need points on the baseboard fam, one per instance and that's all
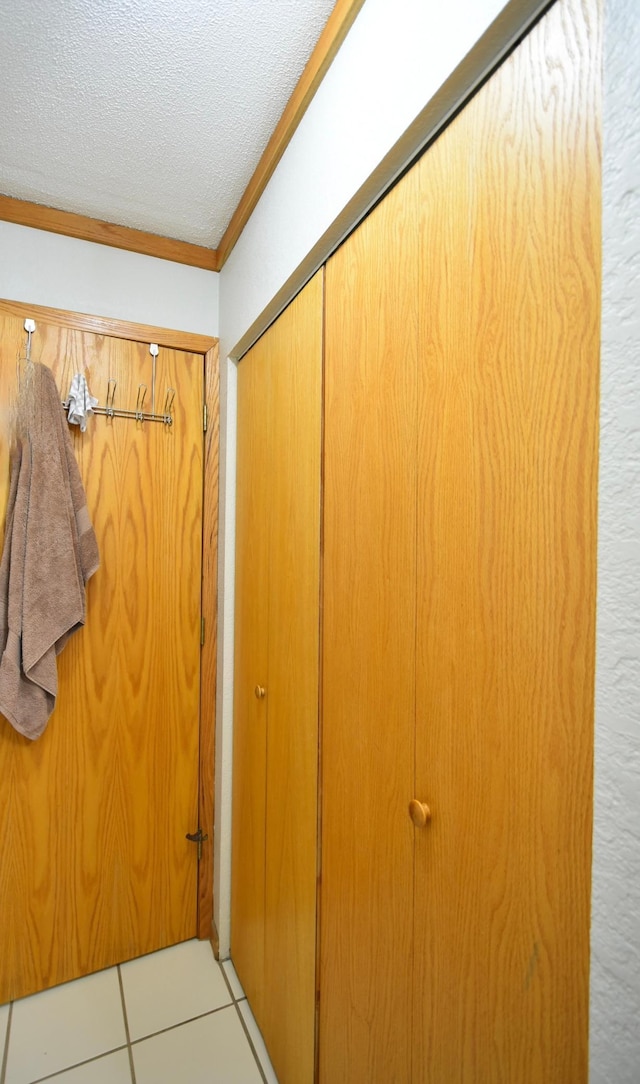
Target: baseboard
(215, 940)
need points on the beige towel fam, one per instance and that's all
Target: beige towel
(50, 551)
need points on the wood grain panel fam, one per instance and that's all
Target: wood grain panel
(117, 329)
(95, 866)
(369, 614)
(251, 670)
(209, 656)
(106, 233)
(506, 587)
(161, 672)
(295, 379)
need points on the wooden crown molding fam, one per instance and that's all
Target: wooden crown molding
(337, 27)
(39, 217)
(117, 329)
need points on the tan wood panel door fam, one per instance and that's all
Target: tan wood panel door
(369, 616)
(273, 932)
(95, 867)
(506, 569)
(292, 691)
(251, 673)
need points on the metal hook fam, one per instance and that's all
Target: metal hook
(29, 327)
(142, 391)
(111, 394)
(168, 403)
(154, 350)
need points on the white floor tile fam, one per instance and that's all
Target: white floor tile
(234, 981)
(212, 1050)
(258, 1042)
(112, 1069)
(171, 986)
(63, 1026)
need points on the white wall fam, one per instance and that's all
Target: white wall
(386, 91)
(64, 273)
(615, 944)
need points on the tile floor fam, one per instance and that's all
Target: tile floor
(174, 1017)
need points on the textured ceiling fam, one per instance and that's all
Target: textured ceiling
(147, 113)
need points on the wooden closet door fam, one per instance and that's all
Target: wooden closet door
(368, 673)
(273, 933)
(506, 568)
(253, 538)
(292, 693)
(95, 867)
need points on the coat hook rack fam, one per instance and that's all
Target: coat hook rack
(110, 410)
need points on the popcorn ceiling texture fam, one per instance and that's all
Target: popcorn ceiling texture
(150, 114)
(615, 946)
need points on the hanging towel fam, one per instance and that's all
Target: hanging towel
(50, 552)
(80, 402)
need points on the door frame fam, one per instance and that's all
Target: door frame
(207, 346)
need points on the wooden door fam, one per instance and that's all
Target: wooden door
(509, 349)
(95, 867)
(369, 618)
(460, 434)
(273, 934)
(292, 691)
(251, 673)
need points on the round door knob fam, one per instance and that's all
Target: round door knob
(260, 692)
(419, 812)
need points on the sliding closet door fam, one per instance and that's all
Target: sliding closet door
(94, 866)
(294, 634)
(506, 568)
(251, 673)
(274, 868)
(369, 615)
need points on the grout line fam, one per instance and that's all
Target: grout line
(227, 983)
(229, 986)
(181, 1023)
(237, 1001)
(5, 1056)
(78, 1064)
(126, 1028)
(250, 1040)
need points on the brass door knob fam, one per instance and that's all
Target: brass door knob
(419, 812)
(260, 692)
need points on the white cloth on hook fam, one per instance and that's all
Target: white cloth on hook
(80, 402)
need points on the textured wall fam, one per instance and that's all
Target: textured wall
(615, 964)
